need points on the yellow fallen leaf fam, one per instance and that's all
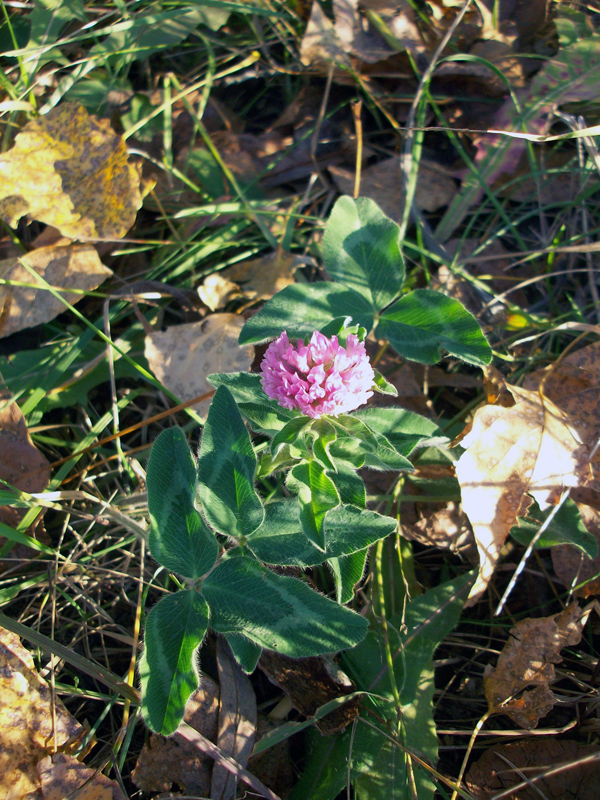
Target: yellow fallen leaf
(70, 170)
(63, 776)
(528, 659)
(27, 731)
(75, 266)
(182, 356)
(511, 454)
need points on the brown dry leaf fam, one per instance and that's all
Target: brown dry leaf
(528, 659)
(74, 266)
(446, 528)
(358, 34)
(70, 170)
(503, 766)
(529, 449)
(63, 776)
(26, 721)
(261, 278)
(164, 761)
(21, 463)
(183, 356)
(320, 45)
(237, 721)
(310, 683)
(383, 183)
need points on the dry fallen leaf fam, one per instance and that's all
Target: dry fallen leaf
(27, 731)
(513, 453)
(528, 659)
(63, 776)
(504, 765)
(164, 761)
(320, 45)
(446, 528)
(573, 384)
(70, 170)
(237, 721)
(383, 183)
(216, 291)
(184, 355)
(310, 683)
(261, 278)
(75, 266)
(21, 463)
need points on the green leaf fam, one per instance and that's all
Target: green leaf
(290, 434)
(384, 387)
(226, 467)
(412, 640)
(567, 527)
(361, 249)
(245, 652)
(179, 539)
(424, 323)
(348, 529)
(349, 485)
(316, 494)
(302, 308)
(405, 430)
(175, 627)
(347, 572)
(277, 612)
(263, 414)
(324, 434)
(387, 457)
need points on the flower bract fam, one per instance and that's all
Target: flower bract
(321, 377)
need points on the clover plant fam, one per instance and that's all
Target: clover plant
(212, 527)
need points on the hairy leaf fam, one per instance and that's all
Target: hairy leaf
(174, 629)
(424, 323)
(361, 249)
(278, 612)
(179, 539)
(226, 467)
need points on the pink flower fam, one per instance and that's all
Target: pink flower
(319, 378)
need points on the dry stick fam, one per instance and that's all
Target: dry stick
(189, 734)
(356, 111)
(406, 157)
(169, 412)
(314, 141)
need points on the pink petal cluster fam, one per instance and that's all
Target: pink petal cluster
(319, 378)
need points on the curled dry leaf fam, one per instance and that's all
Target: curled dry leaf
(165, 761)
(530, 449)
(183, 356)
(70, 170)
(528, 659)
(320, 45)
(64, 776)
(21, 463)
(446, 528)
(71, 267)
(27, 726)
(503, 766)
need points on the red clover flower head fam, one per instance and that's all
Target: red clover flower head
(321, 377)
